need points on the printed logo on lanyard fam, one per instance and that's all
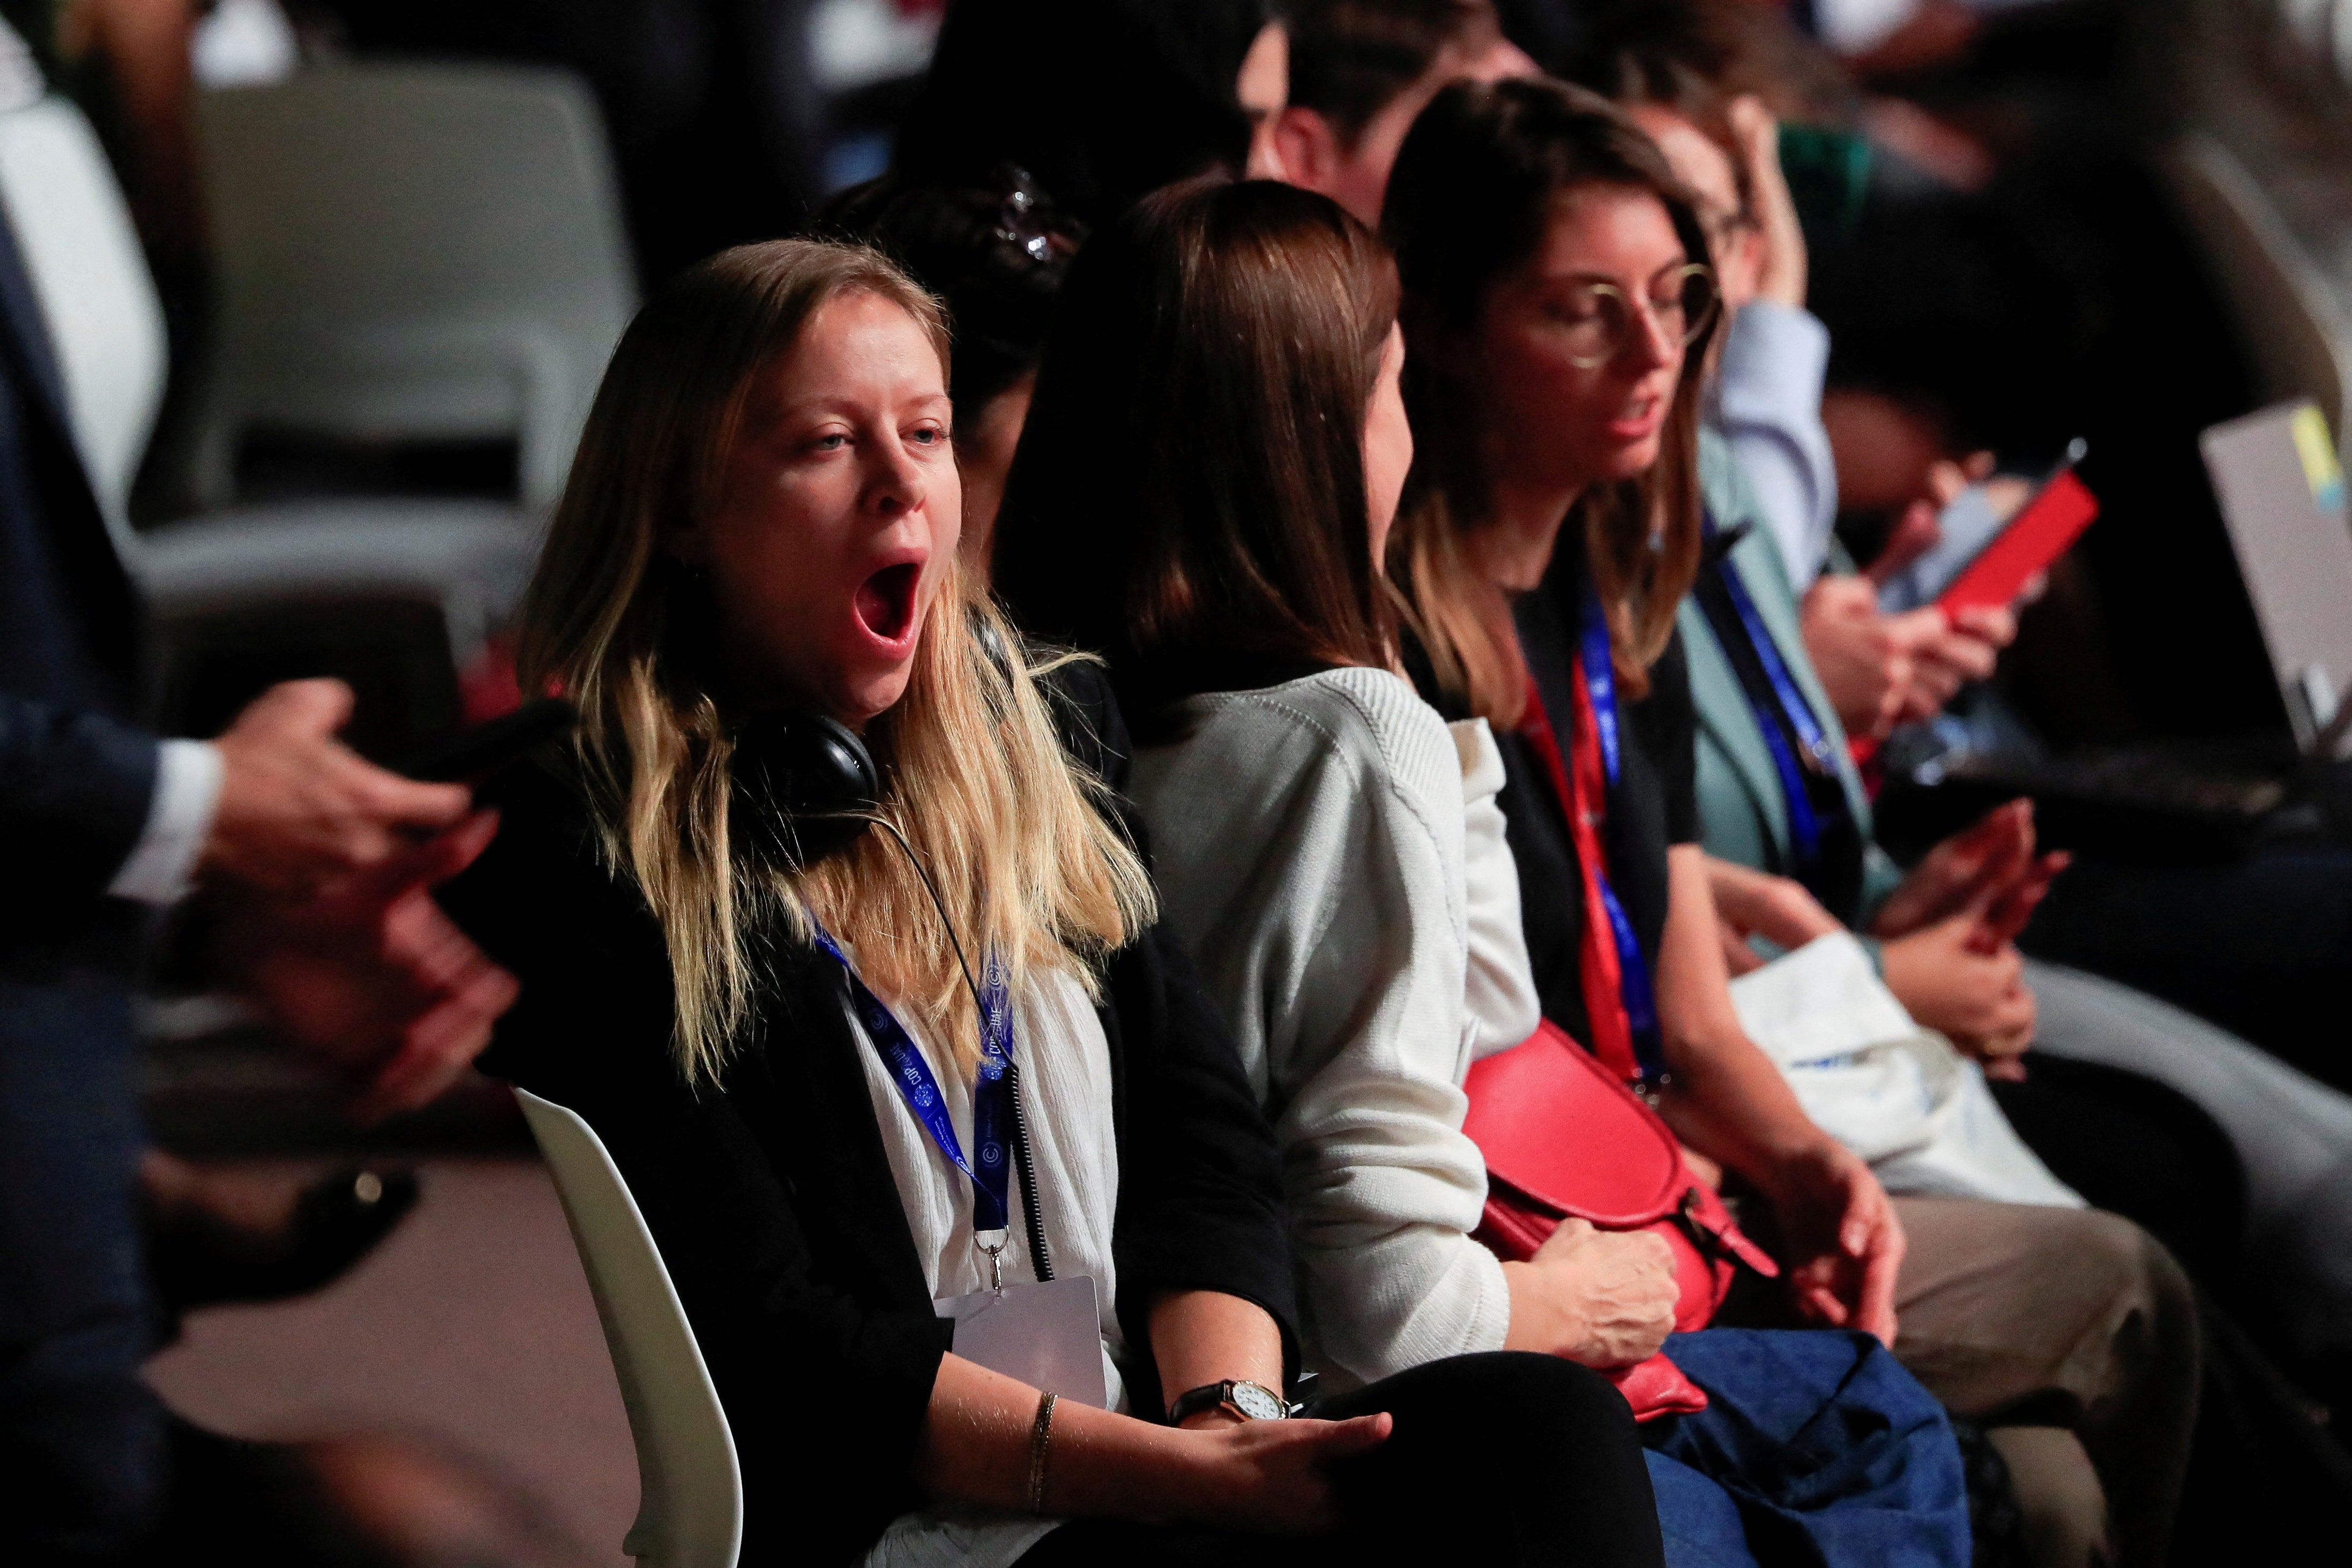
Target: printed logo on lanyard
(992, 1099)
(1597, 667)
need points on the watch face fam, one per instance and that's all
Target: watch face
(1258, 1402)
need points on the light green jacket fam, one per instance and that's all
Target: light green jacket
(1743, 816)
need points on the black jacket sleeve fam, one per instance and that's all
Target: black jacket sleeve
(798, 1279)
(1667, 723)
(74, 793)
(1199, 1205)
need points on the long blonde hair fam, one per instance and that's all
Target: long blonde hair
(1015, 837)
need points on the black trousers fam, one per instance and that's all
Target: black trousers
(1505, 1460)
(2260, 945)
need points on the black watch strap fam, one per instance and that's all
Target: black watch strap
(1191, 1402)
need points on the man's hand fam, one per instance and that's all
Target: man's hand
(300, 810)
(1844, 1244)
(370, 978)
(1863, 669)
(1781, 277)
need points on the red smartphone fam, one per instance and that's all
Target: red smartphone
(2044, 527)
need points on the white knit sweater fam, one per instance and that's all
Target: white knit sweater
(1334, 859)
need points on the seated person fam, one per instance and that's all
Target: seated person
(1555, 287)
(996, 254)
(1360, 71)
(1333, 854)
(1100, 101)
(2088, 1110)
(766, 1014)
(1684, 75)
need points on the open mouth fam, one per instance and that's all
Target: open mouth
(886, 601)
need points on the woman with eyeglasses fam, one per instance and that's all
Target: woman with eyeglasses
(1558, 316)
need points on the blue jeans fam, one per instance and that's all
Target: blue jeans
(1816, 1448)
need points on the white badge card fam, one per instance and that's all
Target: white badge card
(1049, 1336)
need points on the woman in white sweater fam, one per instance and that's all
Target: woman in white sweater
(1329, 851)
(1203, 492)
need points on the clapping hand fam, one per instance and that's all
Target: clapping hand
(299, 810)
(369, 976)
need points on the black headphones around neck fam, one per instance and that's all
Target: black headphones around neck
(806, 786)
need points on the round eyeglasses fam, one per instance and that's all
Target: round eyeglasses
(1599, 317)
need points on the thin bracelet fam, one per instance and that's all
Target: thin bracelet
(1041, 1437)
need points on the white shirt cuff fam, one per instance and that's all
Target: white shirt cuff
(179, 820)
(1775, 358)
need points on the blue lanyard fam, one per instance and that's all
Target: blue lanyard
(992, 1099)
(1641, 994)
(1804, 826)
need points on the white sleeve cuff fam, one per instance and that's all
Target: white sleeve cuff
(179, 820)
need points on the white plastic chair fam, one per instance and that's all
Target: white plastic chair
(690, 1512)
(105, 323)
(410, 252)
(467, 559)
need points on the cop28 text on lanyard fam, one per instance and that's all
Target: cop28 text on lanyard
(1597, 673)
(996, 1120)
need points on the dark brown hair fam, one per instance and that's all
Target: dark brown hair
(995, 250)
(1476, 185)
(1656, 77)
(1188, 497)
(1351, 59)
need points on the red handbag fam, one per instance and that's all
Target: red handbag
(1564, 1140)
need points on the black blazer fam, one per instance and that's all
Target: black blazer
(76, 772)
(771, 1197)
(76, 775)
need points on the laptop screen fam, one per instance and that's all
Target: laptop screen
(2282, 495)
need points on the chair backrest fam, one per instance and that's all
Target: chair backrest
(2286, 306)
(410, 252)
(691, 1511)
(105, 323)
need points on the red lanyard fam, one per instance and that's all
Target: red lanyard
(1585, 797)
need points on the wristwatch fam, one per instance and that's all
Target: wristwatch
(1250, 1400)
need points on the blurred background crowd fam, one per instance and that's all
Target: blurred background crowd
(330, 282)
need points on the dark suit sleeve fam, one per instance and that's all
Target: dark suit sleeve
(74, 792)
(825, 1390)
(1200, 1184)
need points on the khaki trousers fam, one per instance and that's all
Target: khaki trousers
(2038, 1322)
(2070, 1335)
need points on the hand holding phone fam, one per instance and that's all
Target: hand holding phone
(2043, 529)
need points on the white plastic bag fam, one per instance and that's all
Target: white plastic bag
(1898, 1095)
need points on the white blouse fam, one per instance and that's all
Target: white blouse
(1065, 1062)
